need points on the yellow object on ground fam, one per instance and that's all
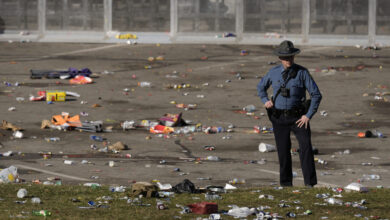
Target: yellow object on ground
(126, 36)
(55, 96)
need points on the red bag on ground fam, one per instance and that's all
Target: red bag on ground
(204, 208)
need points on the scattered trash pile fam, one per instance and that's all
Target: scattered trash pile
(67, 122)
(76, 76)
(173, 124)
(212, 194)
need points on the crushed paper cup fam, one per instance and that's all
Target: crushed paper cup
(263, 147)
(18, 134)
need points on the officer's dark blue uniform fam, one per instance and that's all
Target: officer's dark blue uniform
(288, 110)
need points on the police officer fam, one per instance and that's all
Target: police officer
(289, 111)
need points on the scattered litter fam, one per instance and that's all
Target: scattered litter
(41, 213)
(324, 113)
(203, 208)
(111, 163)
(21, 193)
(241, 212)
(36, 200)
(229, 187)
(81, 80)
(166, 186)
(9, 175)
(185, 186)
(272, 35)
(18, 134)
(334, 201)
(69, 162)
(144, 84)
(19, 99)
(126, 36)
(117, 189)
(263, 147)
(118, 146)
(249, 108)
(9, 126)
(356, 187)
(127, 125)
(92, 184)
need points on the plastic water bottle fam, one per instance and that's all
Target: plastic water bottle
(52, 139)
(215, 216)
(41, 213)
(249, 108)
(117, 189)
(320, 161)
(378, 134)
(212, 158)
(371, 177)
(96, 138)
(212, 196)
(144, 84)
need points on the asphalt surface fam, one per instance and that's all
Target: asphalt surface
(349, 88)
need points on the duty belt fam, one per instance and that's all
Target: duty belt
(288, 112)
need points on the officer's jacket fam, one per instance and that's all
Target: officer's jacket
(297, 85)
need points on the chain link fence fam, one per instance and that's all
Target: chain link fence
(198, 21)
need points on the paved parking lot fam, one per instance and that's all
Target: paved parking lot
(354, 83)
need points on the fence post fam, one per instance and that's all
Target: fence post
(174, 19)
(305, 20)
(239, 20)
(41, 18)
(107, 16)
(371, 22)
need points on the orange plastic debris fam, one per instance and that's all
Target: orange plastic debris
(80, 80)
(361, 134)
(61, 120)
(161, 129)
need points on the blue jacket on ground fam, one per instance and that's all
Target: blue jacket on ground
(297, 85)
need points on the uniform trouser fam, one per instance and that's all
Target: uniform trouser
(282, 127)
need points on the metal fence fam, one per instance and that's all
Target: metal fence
(316, 22)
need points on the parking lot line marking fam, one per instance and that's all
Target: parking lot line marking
(300, 178)
(51, 173)
(85, 50)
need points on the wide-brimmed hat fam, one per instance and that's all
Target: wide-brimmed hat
(286, 49)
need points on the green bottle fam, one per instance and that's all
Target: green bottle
(42, 213)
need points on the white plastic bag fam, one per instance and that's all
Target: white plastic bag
(241, 212)
(356, 187)
(9, 175)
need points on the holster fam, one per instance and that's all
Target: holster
(306, 106)
(272, 112)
